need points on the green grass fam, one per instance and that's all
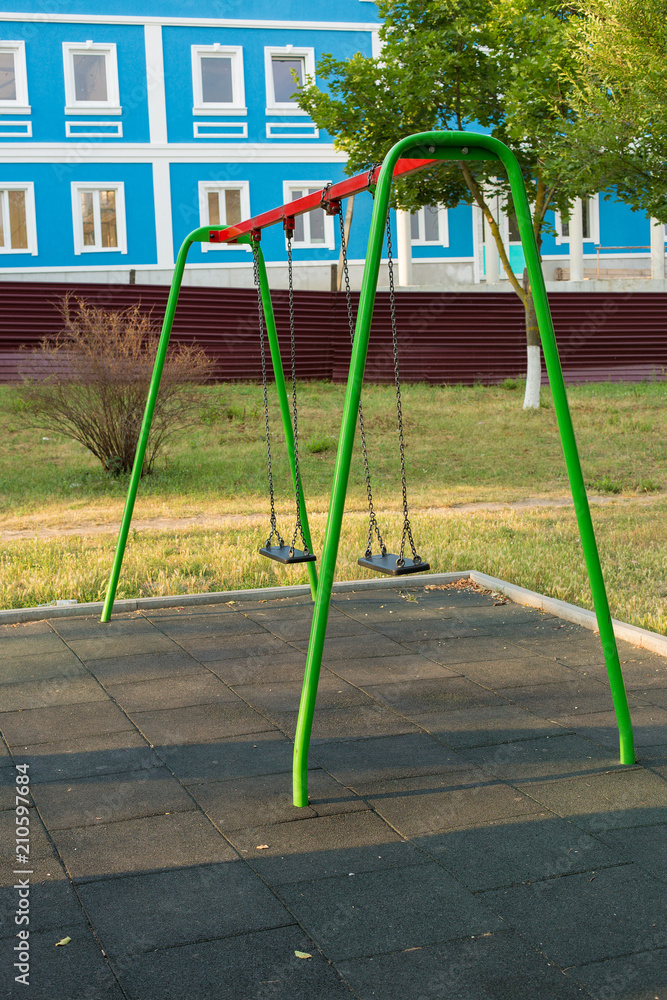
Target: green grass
(538, 549)
(463, 443)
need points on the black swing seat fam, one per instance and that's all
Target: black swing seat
(286, 554)
(388, 563)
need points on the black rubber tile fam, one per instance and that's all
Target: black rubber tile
(332, 692)
(190, 610)
(53, 903)
(197, 723)
(107, 799)
(642, 672)
(38, 845)
(38, 666)
(347, 723)
(408, 613)
(651, 696)
(131, 846)
(77, 971)
(429, 695)
(234, 757)
(579, 696)
(299, 631)
(198, 687)
(279, 664)
(387, 669)
(108, 647)
(360, 763)
(187, 631)
(455, 651)
(20, 630)
(260, 800)
(517, 849)
(486, 725)
(261, 965)
(435, 802)
(645, 845)
(25, 644)
(544, 758)
(641, 976)
(586, 917)
(47, 725)
(569, 651)
(496, 966)
(499, 614)
(424, 631)
(89, 756)
(248, 650)
(321, 848)
(90, 627)
(383, 911)
(141, 913)
(143, 667)
(350, 646)
(7, 783)
(503, 673)
(649, 725)
(620, 798)
(54, 691)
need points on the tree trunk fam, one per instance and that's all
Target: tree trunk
(531, 399)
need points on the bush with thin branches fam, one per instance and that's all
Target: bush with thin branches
(90, 381)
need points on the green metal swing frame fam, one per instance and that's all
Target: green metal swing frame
(421, 149)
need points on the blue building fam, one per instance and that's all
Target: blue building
(120, 132)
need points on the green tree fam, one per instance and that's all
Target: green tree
(620, 95)
(503, 66)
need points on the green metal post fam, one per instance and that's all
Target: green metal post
(142, 443)
(283, 401)
(458, 146)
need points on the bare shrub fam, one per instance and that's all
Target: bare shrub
(90, 381)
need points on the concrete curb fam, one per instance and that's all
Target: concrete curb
(640, 637)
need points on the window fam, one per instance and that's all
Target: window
(18, 232)
(286, 70)
(590, 222)
(223, 205)
(313, 229)
(91, 79)
(99, 218)
(217, 79)
(429, 226)
(13, 78)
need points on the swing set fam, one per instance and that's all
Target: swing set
(413, 153)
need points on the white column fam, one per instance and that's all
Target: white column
(492, 258)
(657, 249)
(157, 123)
(404, 247)
(576, 241)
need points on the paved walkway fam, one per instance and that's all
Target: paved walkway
(470, 834)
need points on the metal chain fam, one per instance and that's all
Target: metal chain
(298, 527)
(407, 530)
(274, 527)
(373, 527)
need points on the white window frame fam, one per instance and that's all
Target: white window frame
(594, 219)
(20, 104)
(274, 107)
(237, 105)
(329, 238)
(30, 218)
(77, 218)
(443, 229)
(112, 104)
(204, 188)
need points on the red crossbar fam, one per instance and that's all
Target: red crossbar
(344, 189)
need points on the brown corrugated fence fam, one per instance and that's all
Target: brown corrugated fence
(445, 337)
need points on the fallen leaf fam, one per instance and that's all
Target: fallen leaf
(302, 954)
(262, 847)
(65, 940)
